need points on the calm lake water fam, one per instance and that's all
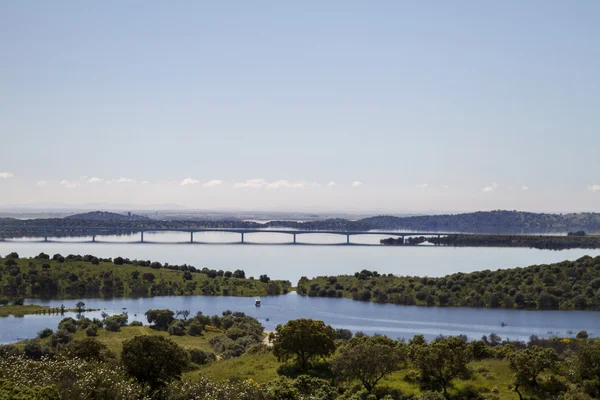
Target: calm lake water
(391, 320)
(291, 262)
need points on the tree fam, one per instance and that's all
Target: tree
(87, 349)
(582, 335)
(305, 339)
(442, 361)
(153, 360)
(80, 306)
(183, 313)
(238, 273)
(160, 318)
(369, 359)
(588, 361)
(527, 364)
(118, 261)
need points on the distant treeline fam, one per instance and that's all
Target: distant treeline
(499, 222)
(89, 276)
(536, 242)
(567, 285)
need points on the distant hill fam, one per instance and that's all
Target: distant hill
(500, 221)
(106, 216)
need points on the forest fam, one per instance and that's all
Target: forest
(545, 242)
(568, 285)
(75, 276)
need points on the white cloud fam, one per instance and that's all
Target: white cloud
(594, 188)
(41, 183)
(356, 184)
(6, 175)
(94, 180)
(251, 183)
(213, 183)
(332, 184)
(69, 184)
(286, 184)
(280, 184)
(189, 181)
(524, 188)
(124, 180)
(422, 186)
(491, 188)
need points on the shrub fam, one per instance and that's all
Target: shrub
(195, 328)
(177, 328)
(60, 337)
(91, 331)
(582, 335)
(201, 357)
(44, 333)
(136, 323)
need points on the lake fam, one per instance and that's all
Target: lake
(391, 320)
(291, 262)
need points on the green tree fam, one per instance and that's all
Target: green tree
(305, 339)
(369, 359)
(160, 318)
(588, 361)
(527, 364)
(442, 361)
(80, 306)
(87, 349)
(153, 360)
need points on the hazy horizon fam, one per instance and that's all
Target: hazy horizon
(343, 106)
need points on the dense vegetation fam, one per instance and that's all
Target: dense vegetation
(567, 285)
(88, 276)
(536, 242)
(83, 359)
(500, 221)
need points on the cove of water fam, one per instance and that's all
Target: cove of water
(388, 319)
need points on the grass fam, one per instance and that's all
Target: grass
(114, 340)
(260, 367)
(5, 311)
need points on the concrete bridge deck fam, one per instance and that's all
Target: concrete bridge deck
(44, 231)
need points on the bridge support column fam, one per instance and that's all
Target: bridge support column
(142, 237)
(294, 238)
(403, 239)
(347, 239)
(93, 238)
(191, 237)
(242, 237)
(439, 243)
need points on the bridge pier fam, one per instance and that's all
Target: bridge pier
(403, 242)
(242, 236)
(347, 239)
(191, 237)
(93, 238)
(439, 243)
(142, 237)
(294, 238)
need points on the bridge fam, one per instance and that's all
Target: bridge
(44, 231)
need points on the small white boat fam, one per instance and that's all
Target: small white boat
(257, 302)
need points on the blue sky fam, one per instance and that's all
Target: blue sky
(339, 105)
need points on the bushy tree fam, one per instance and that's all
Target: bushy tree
(442, 361)
(527, 364)
(305, 339)
(87, 349)
(161, 319)
(153, 360)
(369, 359)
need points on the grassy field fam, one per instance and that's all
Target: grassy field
(114, 340)
(5, 311)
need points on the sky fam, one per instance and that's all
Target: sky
(343, 105)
